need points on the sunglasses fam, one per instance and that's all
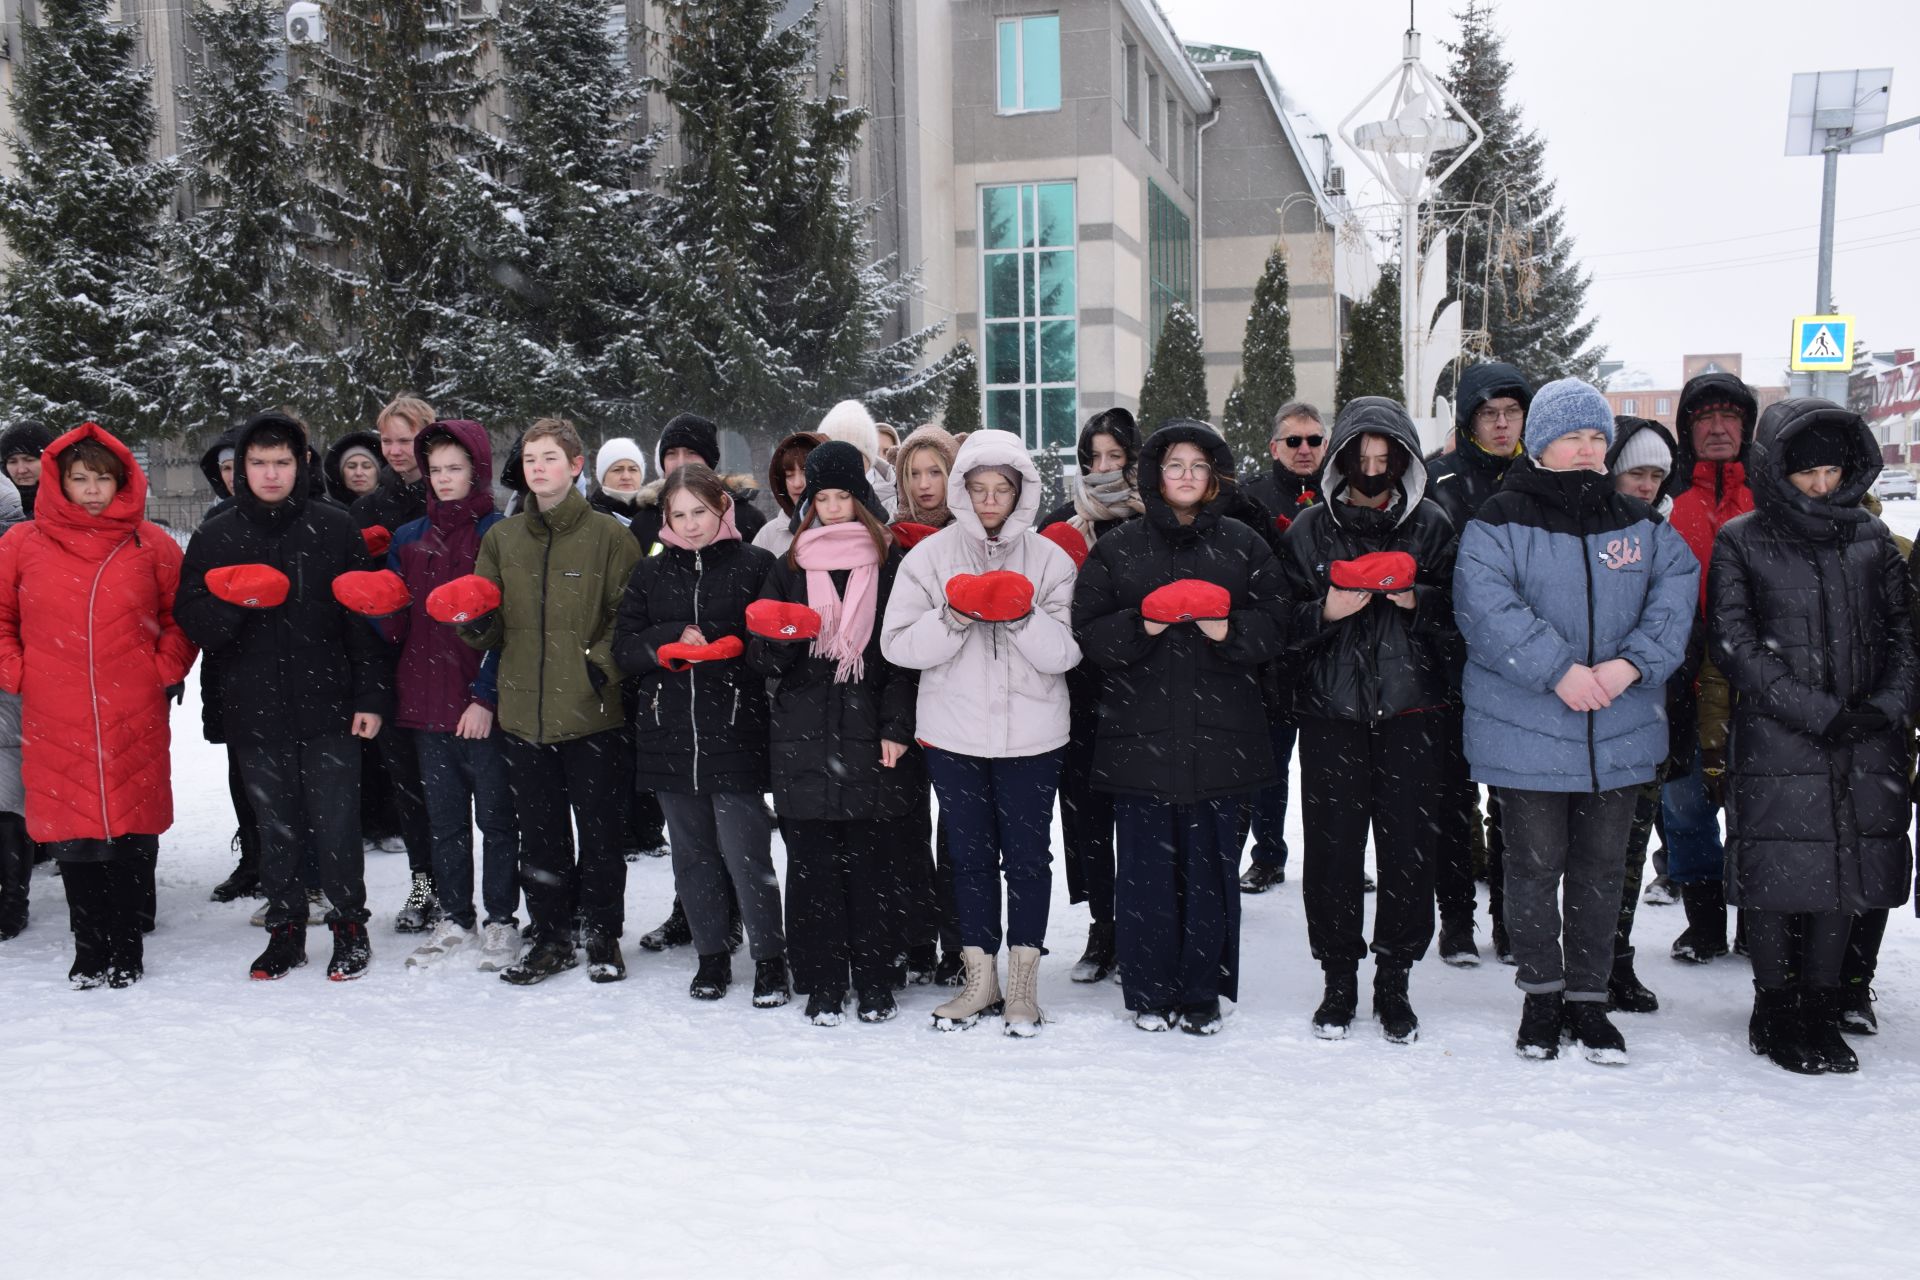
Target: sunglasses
(1294, 442)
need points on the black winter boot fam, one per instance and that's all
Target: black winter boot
(1625, 992)
(421, 911)
(877, 1006)
(1391, 1008)
(737, 929)
(669, 933)
(1502, 946)
(1456, 942)
(1540, 1023)
(352, 951)
(771, 987)
(1586, 1024)
(1260, 877)
(713, 978)
(1096, 962)
(1820, 1014)
(244, 882)
(604, 961)
(922, 961)
(951, 971)
(1774, 1031)
(1335, 1014)
(286, 951)
(1705, 937)
(548, 957)
(1856, 1010)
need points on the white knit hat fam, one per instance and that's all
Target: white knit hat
(850, 421)
(1644, 448)
(618, 449)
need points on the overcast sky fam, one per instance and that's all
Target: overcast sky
(1665, 123)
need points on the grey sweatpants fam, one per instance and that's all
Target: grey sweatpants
(714, 837)
(1579, 838)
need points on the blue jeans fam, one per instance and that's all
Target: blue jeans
(1270, 803)
(1694, 854)
(465, 779)
(997, 814)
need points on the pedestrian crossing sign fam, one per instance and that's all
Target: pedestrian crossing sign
(1822, 343)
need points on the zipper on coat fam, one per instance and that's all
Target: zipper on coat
(693, 676)
(540, 682)
(93, 694)
(1586, 562)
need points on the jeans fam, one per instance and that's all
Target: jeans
(1646, 810)
(465, 779)
(556, 786)
(1567, 843)
(997, 814)
(1453, 889)
(1177, 901)
(722, 846)
(306, 799)
(1270, 803)
(1694, 853)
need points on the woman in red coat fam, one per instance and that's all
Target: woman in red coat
(88, 641)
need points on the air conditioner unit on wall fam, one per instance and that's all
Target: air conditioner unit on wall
(1336, 180)
(304, 24)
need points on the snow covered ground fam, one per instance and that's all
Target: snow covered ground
(439, 1124)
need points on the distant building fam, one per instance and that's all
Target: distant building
(1660, 405)
(1887, 392)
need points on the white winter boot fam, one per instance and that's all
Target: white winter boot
(980, 995)
(1023, 991)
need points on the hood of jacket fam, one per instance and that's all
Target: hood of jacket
(1774, 495)
(1153, 456)
(68, 523)
(994, 449)
(1480, 384)
(210, 460)
(1625, 428)
(1379, 416)
(280, 513)
(336, 482)
(1701, 390)
(472, 437)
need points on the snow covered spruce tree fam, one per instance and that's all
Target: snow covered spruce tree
(1370, 363)
(1176, 385)
(244, 286)
(86, 315)
(559, 236)
(962, 409)
(391, 96)
(1266, 363)
(1511, 261)
(769, 306)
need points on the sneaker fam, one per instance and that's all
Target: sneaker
(877, 1006)
(1540, 1020)
(448, 937)
(1201, 1019)
(1391, 1008)
(922, 965)
(1456, 943)
(823, 1008)
(352, 951)
(1096, 962)
(1337, 1006)
(770, 986)
(499, 945)
(1661, 893)
(1155, 1020)
(545, 960)
(1856, 1011)
(286, 951)
(1261, 877)
(604, 961)
(711, 980)
(1586, 1024)
(316, 908)
(421, 909)
(669, 933)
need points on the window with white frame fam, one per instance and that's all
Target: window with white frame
(1629, 406)
(1029, 59)
(1663, 405)
(1029, 312)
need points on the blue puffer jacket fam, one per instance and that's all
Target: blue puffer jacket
(1558, 569)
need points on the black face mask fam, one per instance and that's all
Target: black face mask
(1371, 486)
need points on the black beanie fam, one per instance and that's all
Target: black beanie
(26, 436)
(837, 465)
(690, 431)
(1117, 423)
(1816, 445)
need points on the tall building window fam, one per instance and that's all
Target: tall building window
(1029, 64)
(1169, 258)
(1153, 112)
(1629, 406)
(1030, 312)
(1130, 81)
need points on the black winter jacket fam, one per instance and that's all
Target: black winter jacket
(824, 737)
(1384, 660)
(1809, 608)
(299, 671)
(1283, 494)
(336, 482)
(1181, 717)
(701, 731)
(644, 517)
(393, 504)
(1461, 482)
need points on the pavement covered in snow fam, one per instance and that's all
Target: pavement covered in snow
(442, 1123)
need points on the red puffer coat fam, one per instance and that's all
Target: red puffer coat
(87, 638)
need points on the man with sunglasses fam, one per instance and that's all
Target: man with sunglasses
(1298, 448)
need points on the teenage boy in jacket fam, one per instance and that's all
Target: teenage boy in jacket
(555, 574)
(298, 679)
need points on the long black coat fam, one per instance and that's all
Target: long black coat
(824, 737)
(701, 731)
(1181, 717)
(299, 671)
(1384, 660)
(1808, 603)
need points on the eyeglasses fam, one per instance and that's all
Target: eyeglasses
(1001, 493)
(1294, 442)
(1485, 414)
(1181, 471)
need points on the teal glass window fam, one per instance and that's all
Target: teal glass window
(1169, 259)
(1030, 312)
(1029, 58)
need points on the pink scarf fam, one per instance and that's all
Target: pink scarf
(728, 529)
(845, 625)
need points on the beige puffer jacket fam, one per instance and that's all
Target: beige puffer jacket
(988, 689)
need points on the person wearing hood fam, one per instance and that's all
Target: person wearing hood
(1576, 604)
(89, 642)
(841, 720)
(22, 446)
(1180, 609)
(619, 473)
(1298, 449)
(688, 437)
(1809, 605)
(1714, 423)
(982, 611)
(1489, 415)
(1370, 584)
(352, 467)
(1104, 496)
(786, 481)
(300, 679)
(850, 421)
(16, 850)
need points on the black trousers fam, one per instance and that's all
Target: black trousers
(104, 902)
(837, 907)
(1797, 948)
(1453, 890)
(1646, 816)
(1358, 779)
(1087, 824)
(243, 815)
(306, 796)
(913, 903)
(1178, 931)
(402, 765)
(1863, 948)
(16, 866)
(558, 786)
